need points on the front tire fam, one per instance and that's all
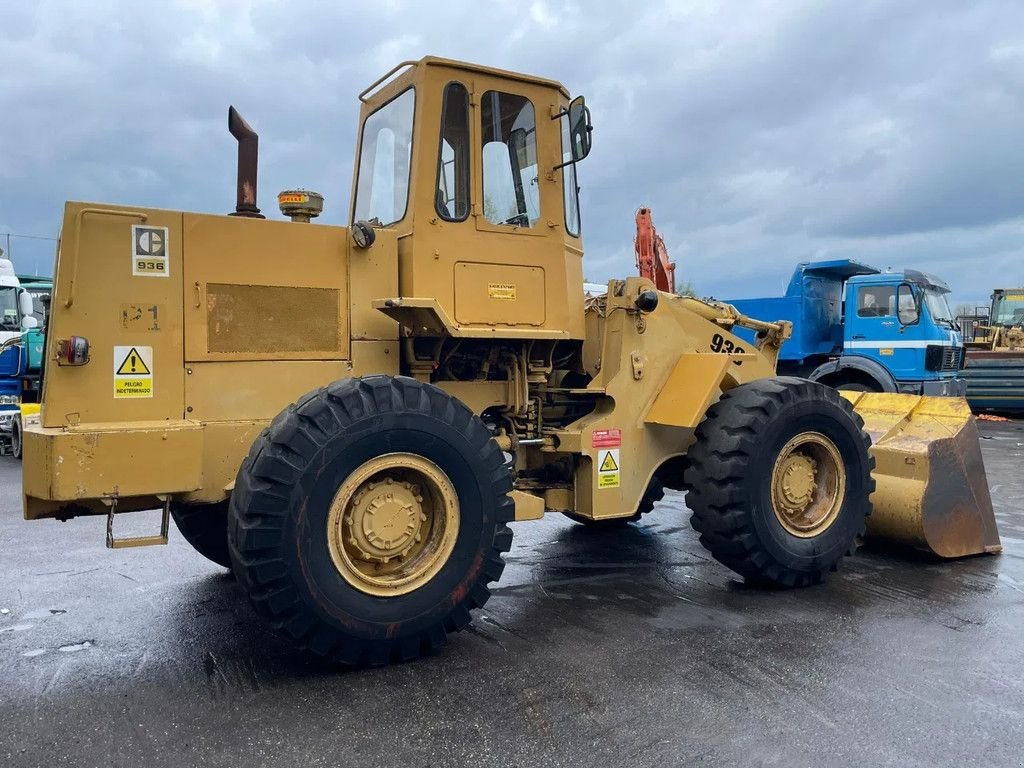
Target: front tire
(369, 518)
(779, 481)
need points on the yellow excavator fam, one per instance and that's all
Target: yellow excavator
(349, 417)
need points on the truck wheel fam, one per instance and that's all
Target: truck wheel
(16, 437)
(369, 518)
(205, 527)
(655, 492)
(854, 386)
(779, 481)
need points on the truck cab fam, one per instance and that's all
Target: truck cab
(858, 328)
(901, 321)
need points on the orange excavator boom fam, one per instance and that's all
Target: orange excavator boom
(652, 255)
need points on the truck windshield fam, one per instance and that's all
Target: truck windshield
(9, 319)
(938, 307)
(1008, 309)
(382, 186)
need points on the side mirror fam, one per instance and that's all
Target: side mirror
(906, 306)
(579, 129)
(28, 323)
(25, 303)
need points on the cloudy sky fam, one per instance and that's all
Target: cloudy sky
(761, 133)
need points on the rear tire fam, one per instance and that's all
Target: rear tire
(779, 481)
(205, 527)
(323, 509)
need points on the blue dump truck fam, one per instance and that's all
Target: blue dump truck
(858, 328)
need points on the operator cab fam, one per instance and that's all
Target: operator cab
(475, 169)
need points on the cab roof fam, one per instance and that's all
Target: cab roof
(924, 279)
(439, 61)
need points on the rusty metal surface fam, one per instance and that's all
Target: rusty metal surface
(931, 488)
(248, 163)
(631, 648)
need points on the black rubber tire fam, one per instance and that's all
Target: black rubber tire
(655, 492)
(16, 441)
(205, 527)
(854, 386)
(729, 480)
(277, 523)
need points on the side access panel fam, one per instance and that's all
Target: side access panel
(118, 284)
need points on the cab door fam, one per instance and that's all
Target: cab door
(877, 330)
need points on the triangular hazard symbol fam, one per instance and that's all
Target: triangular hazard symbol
(608, 463)
(132, 365)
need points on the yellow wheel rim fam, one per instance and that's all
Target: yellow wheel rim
(808, 484)
(393, 524)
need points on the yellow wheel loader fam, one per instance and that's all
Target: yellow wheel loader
(349, 417)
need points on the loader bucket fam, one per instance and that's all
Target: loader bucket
(931, 491)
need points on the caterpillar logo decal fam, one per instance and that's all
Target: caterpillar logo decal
(149, 251)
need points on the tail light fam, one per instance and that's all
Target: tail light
(73, 351)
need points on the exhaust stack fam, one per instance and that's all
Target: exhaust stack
(248, 159)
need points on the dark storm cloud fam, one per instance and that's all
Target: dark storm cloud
(761, 133)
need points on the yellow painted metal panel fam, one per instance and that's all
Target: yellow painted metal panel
(689, 390)
(101, 299)
(497, 294)
(128, 459)
(237, 276)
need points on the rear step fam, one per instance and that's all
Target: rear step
(137, 541)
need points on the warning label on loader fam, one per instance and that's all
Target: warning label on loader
(606, 438)
(608, 468)
(133, 372)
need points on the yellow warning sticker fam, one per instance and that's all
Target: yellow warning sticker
(608, 468)
(501, 291)
(133, 372)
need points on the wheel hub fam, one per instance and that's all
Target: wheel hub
(385, 520)
(808, 484)
(798, 484)
(393, 524)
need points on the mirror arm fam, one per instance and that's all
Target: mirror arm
(562, 165)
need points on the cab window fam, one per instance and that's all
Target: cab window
(876, 301)
(382, 186)
(452, 197)
(511, 184)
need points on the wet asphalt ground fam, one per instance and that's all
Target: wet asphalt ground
(613, 648)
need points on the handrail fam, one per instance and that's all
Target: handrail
(381, 79)
(69, 297)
